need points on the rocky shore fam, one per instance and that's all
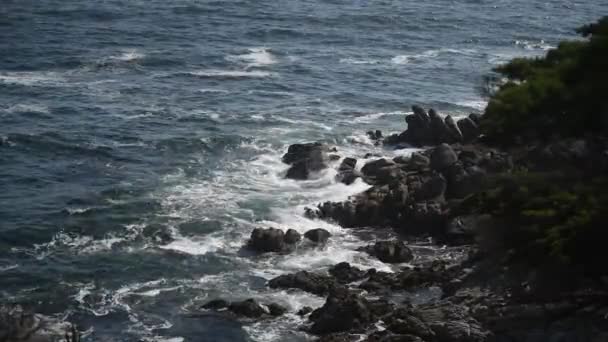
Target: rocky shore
(483, 296)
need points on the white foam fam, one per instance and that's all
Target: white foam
(532, 45)
(479, 104)
(214, 73)
(367, 118)
(359, 61)
(430, 54)
(31, 78)
(8, 267)
(255, 57)
(195, 246)
(76, 211)
(213, 91)
(128, 56)
(26, 108)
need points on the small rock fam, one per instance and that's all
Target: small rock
(304, 311)
(318, 235)
(346, 171)
(391, 251)
(276, 309)
(292, 237)
(306, 281)
(248, 308)
(216, 304)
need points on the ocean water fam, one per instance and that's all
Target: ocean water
(126, 121)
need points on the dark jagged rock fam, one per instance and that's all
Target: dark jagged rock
(345, 273)
(318, 235)
(407, 279)
(347, 172)
(387, 336)
(469, 129)
(305, 159)
(475, 117)
(343, 311)
(267, 240)
(442, 157)
(463, 181)
(432, 189)
(292, 236)
(418, 162)
(424, 218)
(276, 309)
(454, 132)
(381, 171)
(18, 325)
(450, 322)
(391, 251)
(248, 308)
(306, 281)
(216, 304)
(440, 132)
(375, 135)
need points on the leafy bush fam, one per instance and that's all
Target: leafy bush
(551, 218)
(563, 94)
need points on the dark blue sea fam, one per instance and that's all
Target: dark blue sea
(140, 141)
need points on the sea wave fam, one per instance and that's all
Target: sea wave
(231, 74)
(32, 78)
(255, 57)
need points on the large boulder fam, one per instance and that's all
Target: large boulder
(306, 281)
(391, 251)
(305, 159)
(442, 157)
(382, 171)
(343, 311)
(347, 172)
(318, 235)
(267, 240)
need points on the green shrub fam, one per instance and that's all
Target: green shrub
(563, 94)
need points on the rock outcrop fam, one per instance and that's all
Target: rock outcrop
(306, 159)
